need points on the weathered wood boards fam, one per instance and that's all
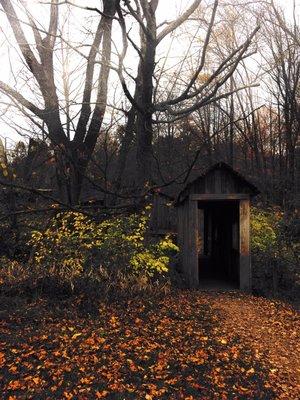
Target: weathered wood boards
(163, 215)
(245, 264)
(220, 184)
(193, 243)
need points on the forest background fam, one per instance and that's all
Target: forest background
(103, 105)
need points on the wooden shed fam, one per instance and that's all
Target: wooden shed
(163, 218)
(213, 227)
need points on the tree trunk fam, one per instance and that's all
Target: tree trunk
(126, 142)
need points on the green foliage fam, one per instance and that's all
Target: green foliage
(275, 250)
(264, 229)
(274, 234)
(73, 244)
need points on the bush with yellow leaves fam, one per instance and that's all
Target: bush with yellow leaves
(275, 254)
(74, 244)
(264, 229)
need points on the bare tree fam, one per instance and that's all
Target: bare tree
(72, 153)
(182, 101)
(283, 70)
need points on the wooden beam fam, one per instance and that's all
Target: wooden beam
(193, 273)
(245, 265)
(180, 237)
(221, 196)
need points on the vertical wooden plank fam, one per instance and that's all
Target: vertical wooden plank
(218, 181)
(210, 182)
(186, 239)
(245, 266)
(200, 240)
(182, 237)
(193, 244)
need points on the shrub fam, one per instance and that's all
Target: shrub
(12, 271)
(73, 244)
(264, 233)
(273, 251)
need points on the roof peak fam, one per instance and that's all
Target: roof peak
(218, 165)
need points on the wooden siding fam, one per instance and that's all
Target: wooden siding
(188, 241)
(222, 196)
(219, 181)
(193, 244)
(163, 218)
(245, 265)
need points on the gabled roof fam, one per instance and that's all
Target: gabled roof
(220, 165)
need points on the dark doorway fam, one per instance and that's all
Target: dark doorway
(219, 236)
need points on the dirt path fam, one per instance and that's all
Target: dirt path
(272, 331)
(186, 345)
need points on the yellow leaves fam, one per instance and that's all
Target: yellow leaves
(148, 261)
(76, 335)
(263, 230)
(204, 338)
(250, 371)
(243, 389)
(114, 322)
(167, 244)
(223, 341)
(67, 244)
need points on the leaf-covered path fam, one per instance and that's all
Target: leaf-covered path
(186, 345)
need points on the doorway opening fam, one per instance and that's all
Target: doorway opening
(219, 241)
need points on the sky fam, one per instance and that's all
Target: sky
(10, 59)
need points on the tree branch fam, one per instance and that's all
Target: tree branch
(9, 91)
(28, 55)
(176, 23)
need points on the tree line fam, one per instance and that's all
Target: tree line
(118, 111)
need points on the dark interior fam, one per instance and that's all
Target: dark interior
(219, 241)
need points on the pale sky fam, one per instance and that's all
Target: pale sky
(10, 60)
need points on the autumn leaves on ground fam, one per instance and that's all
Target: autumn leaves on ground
(184, 345)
